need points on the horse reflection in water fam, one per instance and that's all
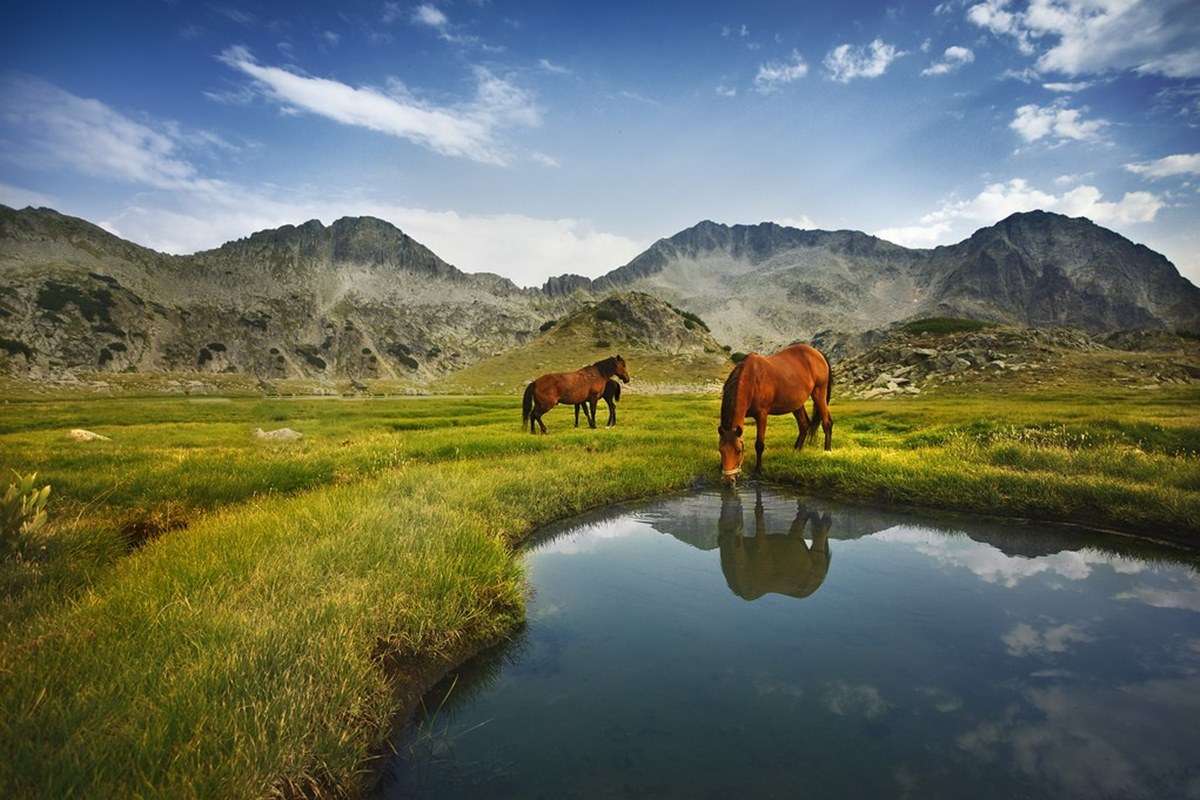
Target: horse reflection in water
(770, 562)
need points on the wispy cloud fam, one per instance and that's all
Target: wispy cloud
(846, 62)
(1056, 122)
(1168, 166)
(953, 58)
(549, 66)
(1066, 87)
(62, 129)
(774, 75)
(469, 130)
(20, 197)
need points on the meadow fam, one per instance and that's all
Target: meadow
(210, 614)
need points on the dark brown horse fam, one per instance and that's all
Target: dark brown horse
(775, 384)
(612, 395)
(581, 386)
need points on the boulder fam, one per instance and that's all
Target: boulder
(280, 435)
(80, 435)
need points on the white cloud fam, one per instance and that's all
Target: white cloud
(1033, 122)
(921, 236)
(468, 130)
(66, 130)
(550, 66)
(726, 91)
(954, 58)
(1160, 37)
(740, 31)
(845, 699)
(846, 62)
(1168, 166)
(331, 38)
(1071, 179)
(1066, 86)
(993, 566)
(1024, 639)
(431, 15)
(545, 160)
(20, 197)
(1188, 600)
(995, 17)
(804, 222)
(774, 75)
(999, 200)
(179, 209)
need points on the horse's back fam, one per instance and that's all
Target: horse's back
(804, 357)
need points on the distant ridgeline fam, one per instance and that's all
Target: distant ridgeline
(360, 299)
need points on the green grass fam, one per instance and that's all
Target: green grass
(940, 325)
(248, 652)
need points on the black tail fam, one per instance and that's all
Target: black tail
(616, 392)
(829, 383)
(527, 405)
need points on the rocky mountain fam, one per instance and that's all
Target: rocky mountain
(761, 286)
(356, 299)
(360, 299)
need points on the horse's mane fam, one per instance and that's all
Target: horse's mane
(729, 395)
(607, 366)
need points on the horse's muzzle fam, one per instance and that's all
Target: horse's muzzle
(730, 475)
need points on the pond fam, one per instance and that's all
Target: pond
(754, 643)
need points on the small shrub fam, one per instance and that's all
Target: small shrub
(726, 348)
(22, 512)
(737, 358)
(605, 314)
(603, 344)
(547, 325)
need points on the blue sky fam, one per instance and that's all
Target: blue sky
(532, 139)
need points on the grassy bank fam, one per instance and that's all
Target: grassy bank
(240, 650)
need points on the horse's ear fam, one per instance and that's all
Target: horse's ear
(738, 432)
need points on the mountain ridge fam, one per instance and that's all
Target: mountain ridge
(360, 298)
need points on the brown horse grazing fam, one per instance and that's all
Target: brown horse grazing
(775, 384)
(581, 386)
(612, 395)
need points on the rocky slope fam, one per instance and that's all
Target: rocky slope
(906, 363)
(762, 286)
(356, 299)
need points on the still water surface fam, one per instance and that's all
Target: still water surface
(756, 644)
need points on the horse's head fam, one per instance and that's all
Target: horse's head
(732, 452)
(619, 368)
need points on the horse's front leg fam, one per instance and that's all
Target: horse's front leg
(577, 415)
(760, 441)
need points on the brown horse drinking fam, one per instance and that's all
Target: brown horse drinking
(775, 384)
(612, 395)
(581, 386)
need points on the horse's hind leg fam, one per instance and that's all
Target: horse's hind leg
(577, 414)
(592, 418)
(802, 423)
(612, 412)
(821, 407)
